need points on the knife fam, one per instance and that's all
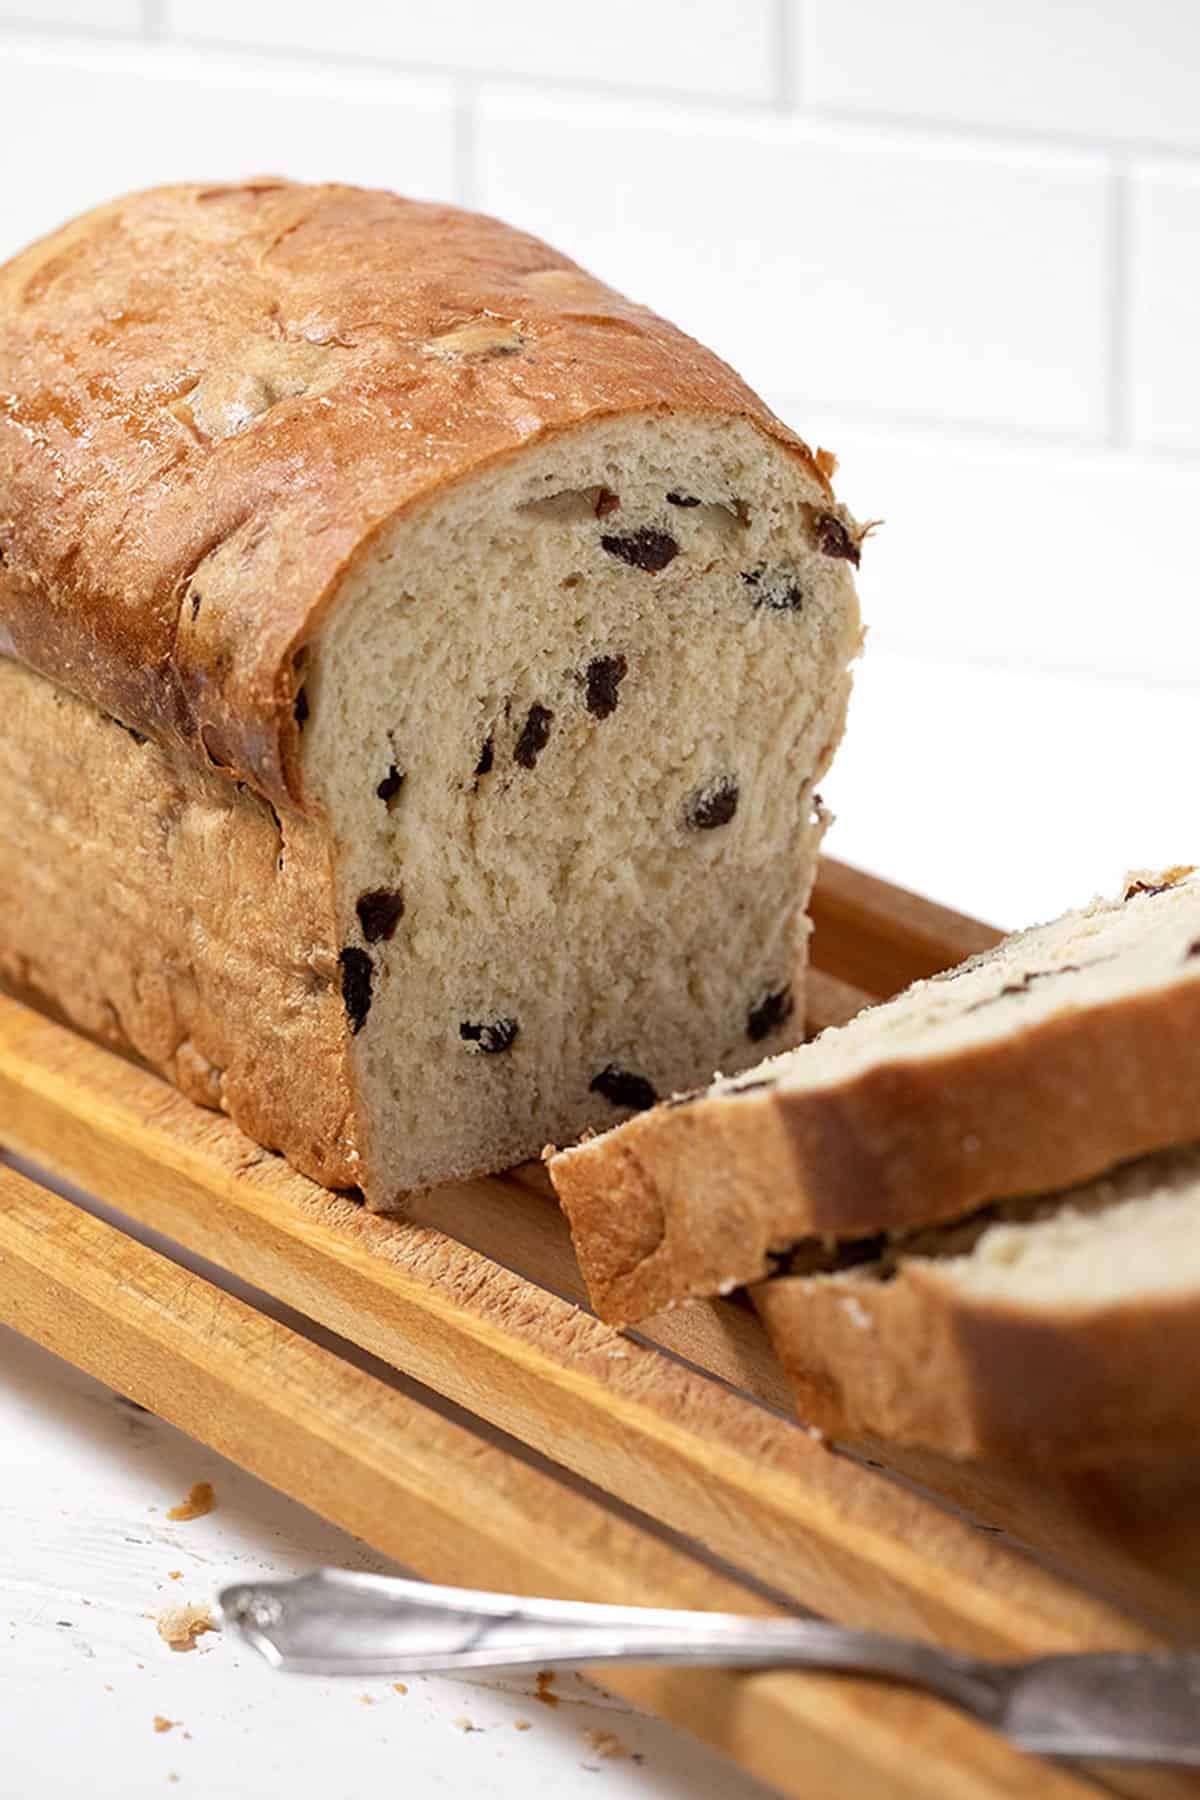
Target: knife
(1132, 1706)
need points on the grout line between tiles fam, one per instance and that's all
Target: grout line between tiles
(788, 38)
(789, 22)
(1120, 319)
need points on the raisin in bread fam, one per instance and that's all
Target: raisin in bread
(1068, 1048)
(420, 661)
(1059, 1330)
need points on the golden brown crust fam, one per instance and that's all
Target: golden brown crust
(168, 913)
(691, 1200)
(212, 399)
(917, 1361)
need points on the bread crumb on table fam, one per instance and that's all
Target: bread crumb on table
(606, 1743)
(545, 1688)
(180, 1626)
(399, 1687)
(174, 1574)
(200, 1500)
(522, 1725)
(467, 1725)
(161, 1724)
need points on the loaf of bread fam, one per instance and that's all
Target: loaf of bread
(1069, 1048)
(419, 663)
(1058, 1331)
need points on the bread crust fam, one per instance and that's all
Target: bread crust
(214, 399)
(175, 917)
(916, 1361)
(692, 1199)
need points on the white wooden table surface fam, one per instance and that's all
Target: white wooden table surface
(1006, 794)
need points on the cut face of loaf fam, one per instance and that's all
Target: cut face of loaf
(567, 726)
(1061, 1329)
(1067, 1049)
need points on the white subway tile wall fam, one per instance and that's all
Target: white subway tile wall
(1165, 293)
(865, 273)
(82, 123)
(126, 16)
(1102, 69)
(693, 46)
(1021, 555)
(958, 243)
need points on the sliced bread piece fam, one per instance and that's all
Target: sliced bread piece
(1059, 1330)
(1069, 1048)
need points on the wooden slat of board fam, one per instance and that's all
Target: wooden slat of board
(516, 1220)
(878, 937)
(1129, 1531)
(702, 1459)
(428, 1492)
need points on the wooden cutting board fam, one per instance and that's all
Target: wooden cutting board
(658, 1466)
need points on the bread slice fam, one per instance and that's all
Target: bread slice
(422, 661)
(1060, 1330)
(1069, 1048)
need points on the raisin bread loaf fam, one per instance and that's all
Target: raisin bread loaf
(1059, 1330)
(419, 664)
(1066, 1049)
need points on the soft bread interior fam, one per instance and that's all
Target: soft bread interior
(1110, 951)
(567, 725)
(1133, 1235)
